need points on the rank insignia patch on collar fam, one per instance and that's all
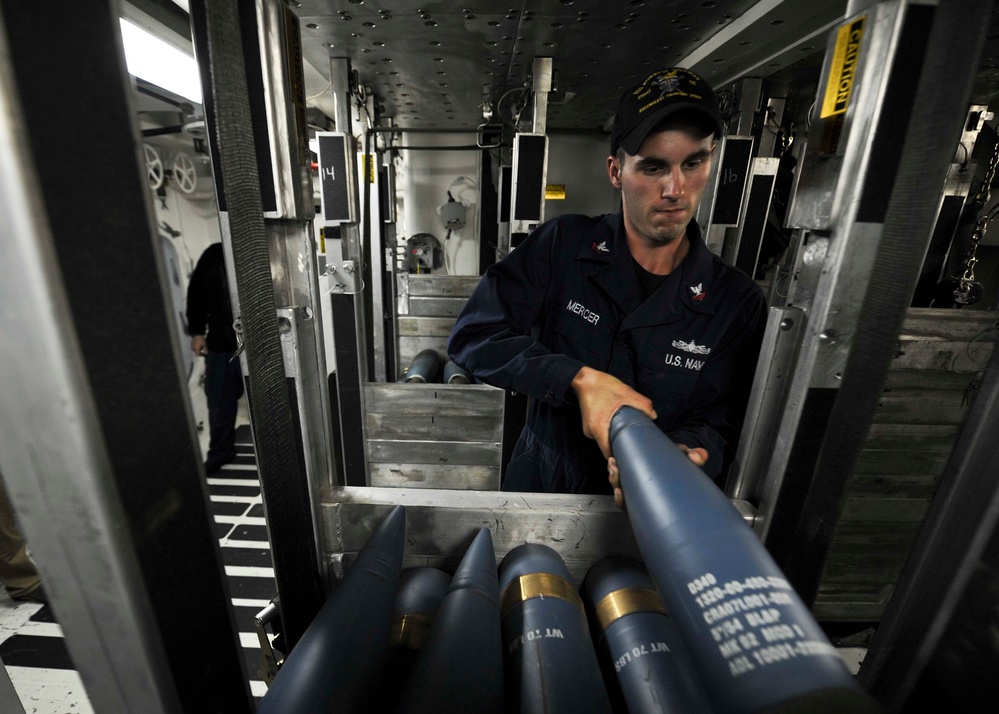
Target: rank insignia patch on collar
(600, 247)
(698, 291)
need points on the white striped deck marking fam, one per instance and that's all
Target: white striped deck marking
(241, 521)
(250, 602)
(239, 467)
(252, 500)
(247, 482)
(40, 629)
(245, 518)
(14, 615)
(51, 629)
(51, 690)
(248, 571)
(250, 641)
(236, 543)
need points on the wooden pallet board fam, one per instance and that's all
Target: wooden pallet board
(928, 393)
(434, 435)
(440, 476)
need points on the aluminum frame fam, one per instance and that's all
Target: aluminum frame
(351, 337)
(69, 469)
(842, 249)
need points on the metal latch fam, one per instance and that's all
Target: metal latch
(272, 658)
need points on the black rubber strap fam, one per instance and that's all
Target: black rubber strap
(285, 496)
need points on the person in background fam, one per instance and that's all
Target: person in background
(209, 323)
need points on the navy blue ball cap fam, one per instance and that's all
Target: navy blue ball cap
(660, 95)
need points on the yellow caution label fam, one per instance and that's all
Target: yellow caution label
(555, 192)
(843, 72)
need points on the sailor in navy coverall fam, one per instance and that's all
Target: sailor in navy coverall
(592, 313)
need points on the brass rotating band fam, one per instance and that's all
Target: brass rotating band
(410, 631)
(538, 585)
(626, 601)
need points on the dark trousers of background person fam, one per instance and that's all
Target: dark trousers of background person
(223, 388)
(17, 573)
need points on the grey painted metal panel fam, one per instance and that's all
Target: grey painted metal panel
(447, 427)
(760, 39)
(434, 435)
(933, 354)
(433, 452)
(925, 437)
(431, 303)
(436, 306)
(441, 524)
(425, 326)
(772, 379)
(465, 476)
(442, 285)
(443, 399)
(948, 325)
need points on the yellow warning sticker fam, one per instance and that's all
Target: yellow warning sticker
(555, 192)
(843, 72)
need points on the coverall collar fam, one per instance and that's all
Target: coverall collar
(688, 286)
(608, 244)
(695, 274)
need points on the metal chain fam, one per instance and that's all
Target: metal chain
(981, 199)
(785, 142)
(972, 258)
(985, 190)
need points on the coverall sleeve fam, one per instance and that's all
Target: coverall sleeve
(496, 336)
(197, 299)
(717, 406)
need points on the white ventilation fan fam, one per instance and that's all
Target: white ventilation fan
(185, 176)
(192, 175)
(154, 167)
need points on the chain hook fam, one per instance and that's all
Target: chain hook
(237, 327)
(966, 283)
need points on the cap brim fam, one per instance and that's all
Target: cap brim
(634, 140)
